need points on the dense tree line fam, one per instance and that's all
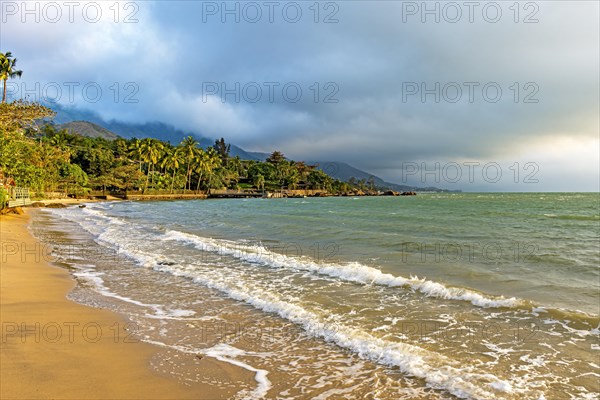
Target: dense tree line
(48, 160)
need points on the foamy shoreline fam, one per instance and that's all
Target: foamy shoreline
(169, 272)
(55, 348)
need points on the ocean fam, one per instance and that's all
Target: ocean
(435, 296)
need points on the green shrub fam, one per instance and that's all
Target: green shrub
(3, 198)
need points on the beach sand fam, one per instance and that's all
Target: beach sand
(54, 348)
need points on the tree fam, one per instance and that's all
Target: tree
(213, 161)
(127, 177)
(235, 165)
(190, 149)
(172, 161)
(259, 182)
(201, 165)
(291, 177)
(74, 177)
(58, 139)
(135, 151)
(361, 183)
(20, 115)
(318, 179)
(267, 171)
(371, 182)
(151, 150)
(222, 150)
(7, 70)
(120, 148)
(303, 169)
(276, 157)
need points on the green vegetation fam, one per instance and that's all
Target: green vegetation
(20, 116)
(7, 70)
(49, 160)
(3, 198)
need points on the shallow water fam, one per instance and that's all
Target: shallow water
(435, 296)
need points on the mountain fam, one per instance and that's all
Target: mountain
(88, 123)
(157, 130)
(344, 171)
(258, 155)
(88, 129)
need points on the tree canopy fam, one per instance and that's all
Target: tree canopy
(8, 70)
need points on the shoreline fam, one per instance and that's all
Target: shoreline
(193, 318)
(53, 347)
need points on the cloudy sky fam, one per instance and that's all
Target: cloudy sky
(485, 96)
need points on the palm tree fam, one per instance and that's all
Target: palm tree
(135, 151)
(150, 150)
(7, 65)
(200, 166)
(157, 153)
(213, 161)
(259, 182)
(120, 148)
(190, 149)
(172, 161)
(60, 141)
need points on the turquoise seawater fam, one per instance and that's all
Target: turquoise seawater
(447, 295)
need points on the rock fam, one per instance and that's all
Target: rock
(12, 210)
(408, 194)
(56, 205)
(37, 204)
(391, 193)
(82, 206)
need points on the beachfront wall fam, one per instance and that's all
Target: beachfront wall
(165, 196)
(18, 196)
(304, 192)
(228, 193)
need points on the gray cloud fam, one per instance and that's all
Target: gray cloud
(369, 56)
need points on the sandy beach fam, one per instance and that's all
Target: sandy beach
(54, 348)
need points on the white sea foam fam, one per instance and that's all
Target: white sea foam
(95, 278)
(226, 353)
(501, 386)
(578, 332)
(90, 213)
(351, 272)
(438, 371)
(180, 313)
(258, 254)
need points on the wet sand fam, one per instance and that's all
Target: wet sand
(54, 348)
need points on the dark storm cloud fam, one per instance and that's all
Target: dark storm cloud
(366, 61)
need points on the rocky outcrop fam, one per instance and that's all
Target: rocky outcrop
(12, 210)
(56, 205)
